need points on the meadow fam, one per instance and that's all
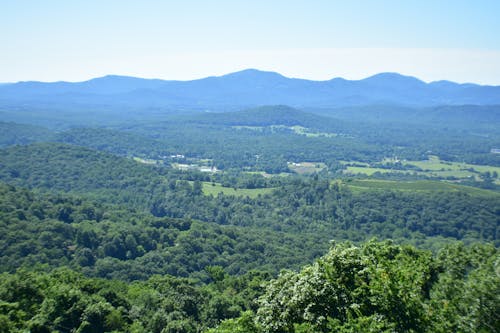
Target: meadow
(419, 185)
(432, 167)
(303, 168)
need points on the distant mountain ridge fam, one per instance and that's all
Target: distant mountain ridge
(249, 88)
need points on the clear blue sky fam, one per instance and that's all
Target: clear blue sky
(54, 40)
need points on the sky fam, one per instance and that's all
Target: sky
(71, 40)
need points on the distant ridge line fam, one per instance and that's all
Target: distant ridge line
(250, 71)
(250, 88)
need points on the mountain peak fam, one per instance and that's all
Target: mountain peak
(392, 77)
(116, 78)
(394, 82)
(253, 73)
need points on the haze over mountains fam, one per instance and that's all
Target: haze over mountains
(248, 88)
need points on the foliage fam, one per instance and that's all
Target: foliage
(376, 287)
(115, 242)
(66, 301)
(383, 287)
(18, 134)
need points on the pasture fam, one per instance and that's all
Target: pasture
(303, 168)
(433, 167)
(419, 185)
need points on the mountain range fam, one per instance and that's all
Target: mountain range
(248, 88)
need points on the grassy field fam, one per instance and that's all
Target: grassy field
(354, 170)
(216, 188)
(420, 185)
(303, 168)
(435, 164)
(145, 161)
(357, 185)
(312, 134)
(433, 167)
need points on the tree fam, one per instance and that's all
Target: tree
(376, 285)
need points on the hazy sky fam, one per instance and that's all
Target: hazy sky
(52, 40)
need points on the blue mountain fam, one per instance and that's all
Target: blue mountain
(249, 88)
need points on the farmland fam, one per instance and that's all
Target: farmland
(437, 165)
(433, 167)
(303, 168)
(419, 186)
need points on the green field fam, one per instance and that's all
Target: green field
(216, 188)
(433, 167)
(303, 168)
(307, 132)
(145, 161)
(419, 185)
(354, 170)
(360, 185)
(435, 164)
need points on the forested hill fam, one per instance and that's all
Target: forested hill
(268, 116)
(292, 205)
(67, 168)
(115, 241)
(18, 134)
(248, 88)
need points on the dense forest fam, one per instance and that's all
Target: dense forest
(378, 287)
(113, 241)
(212, 222)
